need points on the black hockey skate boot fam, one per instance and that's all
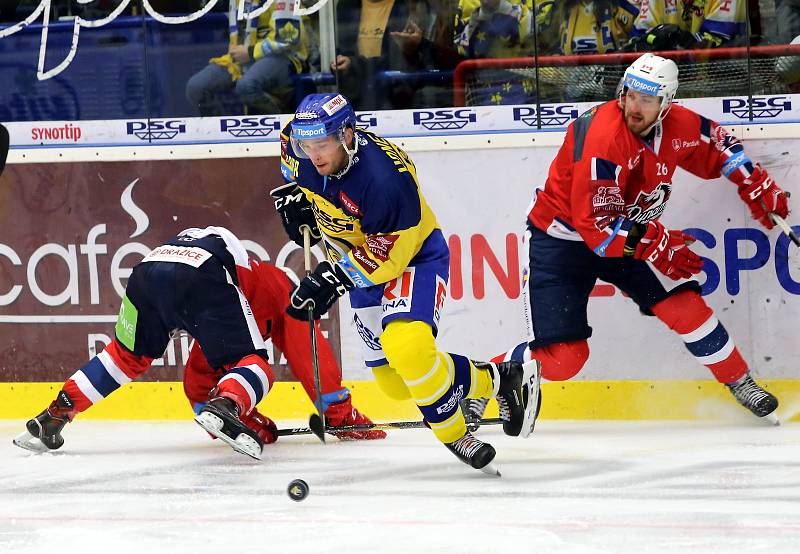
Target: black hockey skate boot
(474, 452)
(516, 387)
(754, 398)
(220, 417)
(43, 432)
(473, 409)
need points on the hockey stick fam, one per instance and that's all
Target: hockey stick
(316, 423)
(368, 426)
(785, 227)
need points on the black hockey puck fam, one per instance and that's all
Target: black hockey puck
(297, 490)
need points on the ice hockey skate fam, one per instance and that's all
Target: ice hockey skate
(516, 387)
(475, 453)
(754, 398)
(43, 433)
(473, 409)
(220, 417)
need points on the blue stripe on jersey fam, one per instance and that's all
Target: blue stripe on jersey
(250, 376)
(376, 363)
(601, 250)
(628, 7)
(287, 172)
(735, 162)
(727, 29)
(711, 343)
(518, 354)
(564, 223)
(604, 169)
(359, 279)
(100, 379)
(705, 127)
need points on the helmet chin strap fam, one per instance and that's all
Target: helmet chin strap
(350, 154)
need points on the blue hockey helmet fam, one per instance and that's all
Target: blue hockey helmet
(322, 115)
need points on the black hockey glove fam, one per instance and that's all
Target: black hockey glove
(666, 36)
(296, 212)
(320, 289)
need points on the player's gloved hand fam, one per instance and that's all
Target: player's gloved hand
(261, 425)
(763, 196)
(319, 290)
(296, 212)
(668, 250)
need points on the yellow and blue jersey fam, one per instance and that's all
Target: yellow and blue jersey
(374, 219)
(277, 31)
(723, 18)
(579, 30)
(503, 33)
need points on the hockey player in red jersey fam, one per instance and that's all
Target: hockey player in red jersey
(202, 281)
(267, 289)
(597, 216)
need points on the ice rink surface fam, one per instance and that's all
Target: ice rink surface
(573, 487)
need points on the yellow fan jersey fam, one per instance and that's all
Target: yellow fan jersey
(580, 31)
(725, 19)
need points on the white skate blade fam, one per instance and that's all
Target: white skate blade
(491, 469)
(772, 418)
(29, 442)
(242, 444)
(531, 381)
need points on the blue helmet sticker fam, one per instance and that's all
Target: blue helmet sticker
(642, 85)
(306, 132)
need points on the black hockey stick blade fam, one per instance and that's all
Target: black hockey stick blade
(365, 426)
(315, 426)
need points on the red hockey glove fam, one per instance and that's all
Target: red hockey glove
(261, 425)
(763, 196)
(668, 250)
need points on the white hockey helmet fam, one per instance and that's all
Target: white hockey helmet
(653, 75)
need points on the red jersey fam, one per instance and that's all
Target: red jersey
(605, 178)
(267, 289)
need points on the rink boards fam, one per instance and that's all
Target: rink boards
(74, 229)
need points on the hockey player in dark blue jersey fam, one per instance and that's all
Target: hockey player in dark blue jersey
(360, 194)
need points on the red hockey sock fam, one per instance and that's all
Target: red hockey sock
(705, 337)
(563, 360)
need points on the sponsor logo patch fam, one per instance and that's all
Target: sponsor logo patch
(380, 246)
(451, 403)
(349, 205)
(334, 104)
(360, 255)
(650, 205)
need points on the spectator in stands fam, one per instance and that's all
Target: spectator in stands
(584, 26)
(787, 19)
(495, 29)
(688, 24)
(374, 36)
(259, 63)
